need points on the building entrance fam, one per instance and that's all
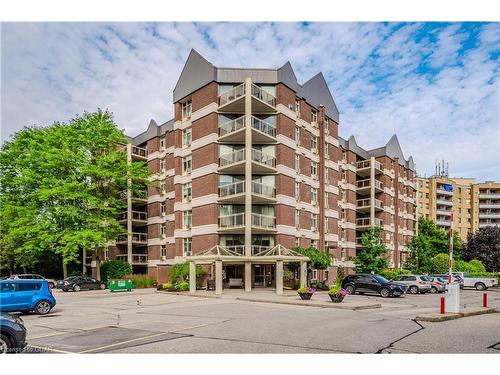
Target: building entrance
(264, 275)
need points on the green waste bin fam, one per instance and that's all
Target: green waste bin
(120, 285)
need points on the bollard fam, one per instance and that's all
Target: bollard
(485, 300)
(442, 305)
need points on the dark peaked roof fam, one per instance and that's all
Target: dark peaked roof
(152, 131)
(316, 92)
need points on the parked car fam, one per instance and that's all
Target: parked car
(77, 283)
(375, 284)
(438, 284)
(12, 334)
(456, 279)
(26, 295)
(479, 283)
(415, 283)
(32, 276)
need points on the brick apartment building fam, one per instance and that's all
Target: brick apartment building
(474, 205)
(250, 167)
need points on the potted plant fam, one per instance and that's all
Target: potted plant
(337, 293)
(306, 293)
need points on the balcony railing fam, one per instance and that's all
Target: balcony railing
(365, 222)
(263, 95)
(136, 237)
(443, 212)
(361, 203)
(489, 215)
(232, 157)
(136, 258)
(444, 203)
(233, 188)
(489, 195)
(230, 221)
(489, 205)
(367, 164)
(231, 126)
(136, 215)
(263, 158)
(444, 192)
(139, 151)
(361, 184)
(263, 126)
(443, 223)
(263, 221)
(232, 94)
(263, 189)
(489, 224)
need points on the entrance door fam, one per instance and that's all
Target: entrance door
(263, 275)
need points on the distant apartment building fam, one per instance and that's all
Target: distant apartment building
(474, 205)
(252, 166)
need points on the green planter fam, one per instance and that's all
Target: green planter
(114, 285)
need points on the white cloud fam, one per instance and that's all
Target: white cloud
(415, 80)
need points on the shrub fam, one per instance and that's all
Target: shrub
(182, 286)
(142, 281)
(115, 269)
(180, 272)
(287, 275)
(391, 273)
(167, 285)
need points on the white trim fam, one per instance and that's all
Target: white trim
(161, 241)
(202, 112)
(200, 230)
(332, 140)
(161, 219)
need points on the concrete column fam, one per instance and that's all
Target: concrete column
(372, 191)
(248, 167)
(248, 276)
(192, 277)
(129, 208)
(218, 277)
(84, 262)
(279, 277)
(303, 273)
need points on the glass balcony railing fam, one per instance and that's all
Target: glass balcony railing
(263, 95)
(234, 188)
(231, 126)
(263, 189)
(263, 126)
(230, 221)
(139, 151)
(232, 94)
(263, 158)
(365, 222)
(232, 157)
(263, 221)
(136, 215)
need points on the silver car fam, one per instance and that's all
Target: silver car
(416, 283)
(438, 284)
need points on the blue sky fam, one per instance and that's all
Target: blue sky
(436, 85)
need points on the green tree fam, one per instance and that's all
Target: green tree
(372, 257)
(485, 246)
(115, 269)
(429, 242)
(180, 272)
(60, 188)
(319, 260)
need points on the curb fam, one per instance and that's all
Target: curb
(452, 316)
(187, 294)
(328, 306)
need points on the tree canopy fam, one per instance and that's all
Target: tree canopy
(484, 245)
(317, 259)
(60, 188)
(372, 257)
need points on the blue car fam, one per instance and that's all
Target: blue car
(26, 295)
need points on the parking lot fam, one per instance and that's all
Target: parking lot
(145, 321)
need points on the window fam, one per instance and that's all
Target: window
(314, 196)
(162, 143)
(326, 225)
(186, 164)
(297, 242)
(342, 214)
(297, 219)
(327, 129)
(297, 107)
(163, 208)
(314, 222)
(327, 176)
(343, 195)
(297, 135)
(297, 191)
(162, 165)
(327, 154)
(163, 251)
(297, 163)
(187, 219)
(314, 169)
(186, 137)
(314, 117)
(163, 187)
(344, 175)
(314, 144)
(163, 229)
(186, 192)
(314, 244)
(187, 109)
(343, 234)
(187, 244)
(327, 204)
(344, 156)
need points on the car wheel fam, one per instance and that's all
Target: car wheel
(350, 289)
(480, 286)
(43, 307)
(76, 288)
(384, 292)
(413, 289)
(5, 344)
(102, 286)
(434, 290)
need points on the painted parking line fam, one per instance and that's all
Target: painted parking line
(46, 349)
(124, 342)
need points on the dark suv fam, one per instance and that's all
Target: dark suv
(374, 284)
(77, 283)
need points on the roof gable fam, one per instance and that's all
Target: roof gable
(316, 92)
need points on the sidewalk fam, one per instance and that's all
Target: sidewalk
(289, 297)
(470, 311)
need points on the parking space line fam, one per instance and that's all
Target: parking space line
(51, 349)
(124, 342)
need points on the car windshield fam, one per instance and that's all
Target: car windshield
(380, 279)
(426, 278)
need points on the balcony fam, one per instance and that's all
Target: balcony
(232, 162)
(364, 186)
(443, 212)
(444, 202)
(232, 131)
(364, 168)
(489, 205)
(359, 241)
(137, 259)
(233, 100)
(365, 223)
(262, 162)
(262, 131)
(364, 205)
(489, 195)
(138, 217)
(234, 223)
(489, 215)
(262, 101)
(263, 223)
(444, 192)
(232, 193)
(443, 223)
(262, 193)
(139, 153)
(137, 238)
(489, 224)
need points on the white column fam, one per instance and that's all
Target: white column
(303, 273)
(248, 167)
(218, 277)
(248, 276)
(372, 191)
(279, 277)
(192, 277)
